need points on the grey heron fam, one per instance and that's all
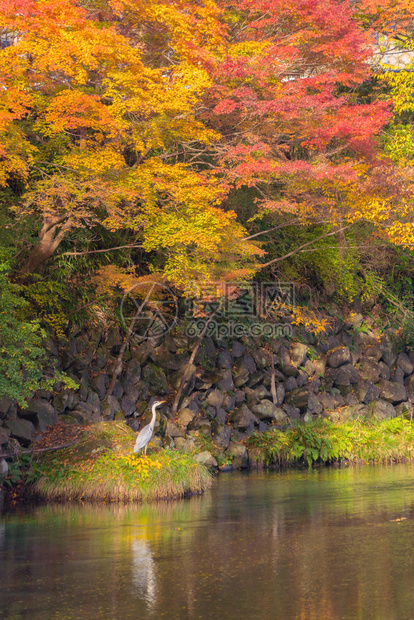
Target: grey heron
(144, 436)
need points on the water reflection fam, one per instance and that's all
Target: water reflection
(327, 543)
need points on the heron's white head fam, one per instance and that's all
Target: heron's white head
(157, 403)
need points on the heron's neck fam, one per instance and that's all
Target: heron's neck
(154, 415)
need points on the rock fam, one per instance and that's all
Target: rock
(292, 412)
(241, 375)
(66, 399)
(249, 363)
(357, 320)
(398, 375)
(382, 410)
(221, 438)
(238, 349)
(350, 399)
(301, 379)
(320, 366)
(240, 396)
(128, 406)
(310, 368)
(252, 397)
(183, 445)
(172, 430)
(338, 357)
(266, 410)
(157, 381)
(204, 427)
(226, 384)
(370, 370)
(366, 392)
(205, 458)
(280, 393)
(45, 419)
(225, 360)
(5, 404)
(143, 352)
(327, 401)
(392, 392)
(375, 352)
(85, 412)
(261, 357)
(21, 429)
(4, 468)
(229, 402)
(100, 384)
(261, 392)
(291, 384)
(239, 455)
(405, 410)
(94, 402)
(346, 375)
(111, 407)
(133, 371)
(409, 385)
(385, 372)
(314, 406)
(389, 350)
(215, 398)
(131, 391)
(299, 398)
(298, 353)
(39, 406)
(242, 418)
(185, 417)
(4, 436)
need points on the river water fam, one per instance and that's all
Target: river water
(321, 544)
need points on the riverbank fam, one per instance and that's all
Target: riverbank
(98, 464)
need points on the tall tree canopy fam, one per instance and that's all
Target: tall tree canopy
(150, 116)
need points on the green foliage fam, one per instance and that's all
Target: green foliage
(23, 358)
(322, 441)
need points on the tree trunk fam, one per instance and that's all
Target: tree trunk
(50, 236)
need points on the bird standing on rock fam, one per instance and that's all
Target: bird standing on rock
(144, 436)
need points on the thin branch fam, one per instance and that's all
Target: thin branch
(119, 247)
(277, 260)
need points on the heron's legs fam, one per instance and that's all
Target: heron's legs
(145, 450)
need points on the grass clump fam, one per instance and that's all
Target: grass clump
(323, 441)
(101, 465)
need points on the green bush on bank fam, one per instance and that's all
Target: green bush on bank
(321, 440)
(101, 465)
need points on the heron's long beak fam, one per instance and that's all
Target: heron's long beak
(162, 401)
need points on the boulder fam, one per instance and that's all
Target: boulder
(204, 427)
(266, 410)
(185, 417)
(221, 437)
(338, 357)
(298, 353)
(238, 349)
(409, 386)
(345, 375)
(374, 352)
(292, 412)
(405, 409)
(225, 359)
(239, 455)
(370, 370)
(226, 383)
(382, 409)
(394, 393)
(128, 406)
(242, 418)
(389, 350)
(398, 376)
(366, 392)
(156, 380)
(403, 361)
(183, 445)
(385, 372)
(327, 401)
(291, 384)
(205, 458)
(215, 398)
(314, 405)
(22, 430)
(172, 430)
(229, 402)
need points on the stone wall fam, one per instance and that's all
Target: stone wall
(348, 371)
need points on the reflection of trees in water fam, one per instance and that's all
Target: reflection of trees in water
(296, 545)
